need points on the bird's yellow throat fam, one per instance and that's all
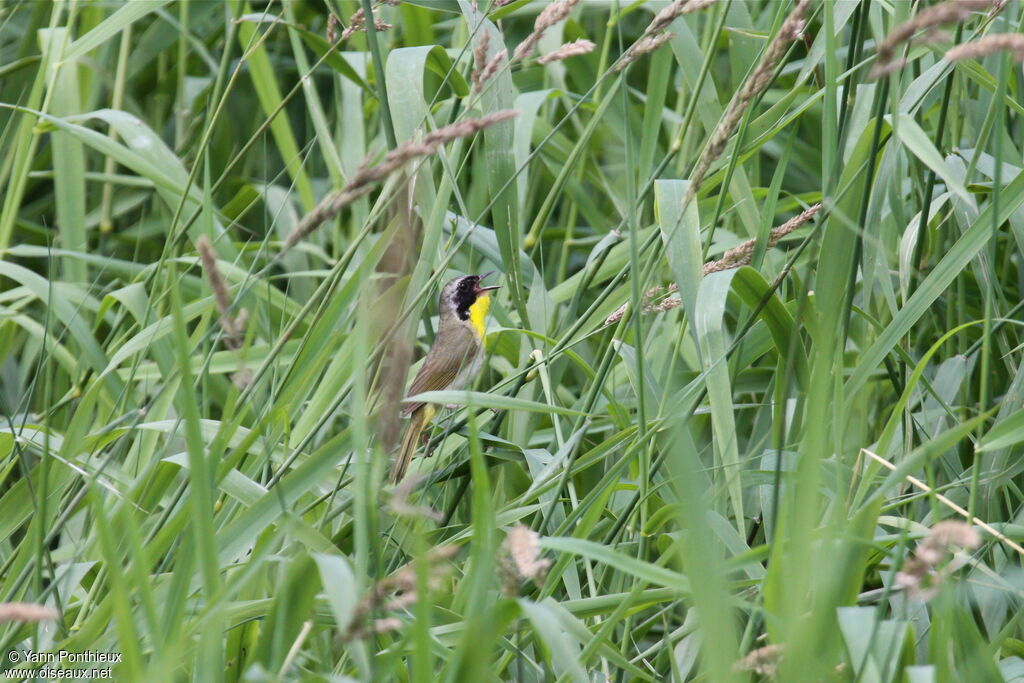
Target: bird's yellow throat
(478, 314)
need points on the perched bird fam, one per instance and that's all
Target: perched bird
(452, 362)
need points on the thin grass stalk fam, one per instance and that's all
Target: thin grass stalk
(737, 257)
(737, 340)
(984, 388)
(368, 175)
(676, 146)
(644, 462)
(116, 101)
(758, 80)
(926, 202)
(380, 77)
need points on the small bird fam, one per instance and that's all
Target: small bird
(454, 359)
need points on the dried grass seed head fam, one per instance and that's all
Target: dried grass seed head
(641, 47)
(332, 27)
(231, 325)
(917, 579)
(553, 13)
(734, 258)
(763, 661)
(953, 532)
(791, 27)
(741, 254)
(949, 12)
(922, 573)
(26, 612)
(362, 181)
(1012, 42)
(675, 9)
(523, 545)
(576, 48)
(491, 68)
(357, 22)
(480, 57)
(401, 587)
(665, 17)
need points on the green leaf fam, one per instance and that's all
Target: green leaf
(122, 18)
(564, 651)
(917, 141)
(1007, 432)
(480, 399)
(340, 586)
(708, 329)
(952, 263)
(681, 234)
(645, 571)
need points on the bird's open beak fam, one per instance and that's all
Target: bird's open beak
(479, 289)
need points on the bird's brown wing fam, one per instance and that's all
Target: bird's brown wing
(438, 371)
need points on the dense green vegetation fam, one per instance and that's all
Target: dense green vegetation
(223, 227)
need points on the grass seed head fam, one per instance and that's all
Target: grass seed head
(953, 532)
(523, 545)
(548, 17)
(642, 47)
(790, 30)
(763, 661)
(26, 612)
(332, 27)
(675, 9)
(397, 592)
(923, 573)
(736, 257)
(740, 255)
(949, 12)
(1012, 42)
(522, 560)
(357, 22)
(367, 175)
(491, 68)
(480, 58)
(578, 47)
(231, 325)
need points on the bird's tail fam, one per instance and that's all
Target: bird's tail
(420, 417)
